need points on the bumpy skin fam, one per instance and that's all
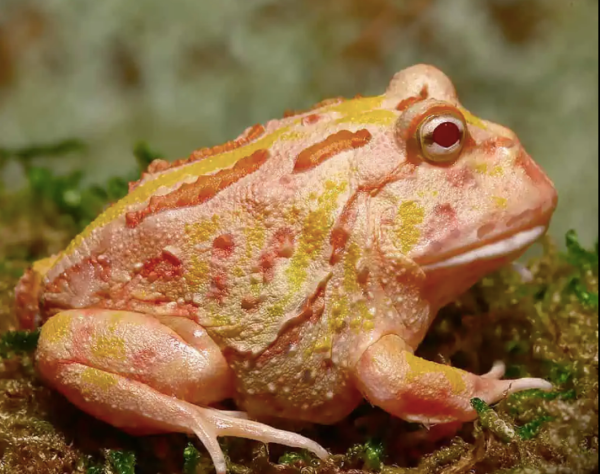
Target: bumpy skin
(294, 269)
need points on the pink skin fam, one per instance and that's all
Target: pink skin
(296, 290)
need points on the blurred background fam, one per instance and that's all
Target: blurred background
(193, 73)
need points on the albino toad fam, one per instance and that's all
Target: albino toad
(294, 269)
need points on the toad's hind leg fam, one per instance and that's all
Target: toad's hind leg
(420, 391)
(146, 375)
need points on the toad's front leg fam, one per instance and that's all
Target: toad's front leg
(145, 374)
(420, 391)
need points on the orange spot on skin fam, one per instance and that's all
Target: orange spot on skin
(201, 190)
(250, 302)
(280, 246)
(461, 177)
(166, 267)
(218, 288)
(336, 143)
(310, 119)
(342, 229)
(223, 246)
(406, 103)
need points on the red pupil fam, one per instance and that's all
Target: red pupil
(446, 134)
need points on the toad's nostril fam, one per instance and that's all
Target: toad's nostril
(519, 218)
(485, 230)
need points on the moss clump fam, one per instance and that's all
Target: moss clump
(546, 327)
(17, 342)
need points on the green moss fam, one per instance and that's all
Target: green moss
(577, 255)
(123, 462)
(18, 342)
(295, 458)
(490, 420)
(369, 454)
(191, 459)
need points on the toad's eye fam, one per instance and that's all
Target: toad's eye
(441, 137)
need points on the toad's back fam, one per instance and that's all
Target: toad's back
(239, 236)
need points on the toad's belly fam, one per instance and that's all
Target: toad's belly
(296, 386)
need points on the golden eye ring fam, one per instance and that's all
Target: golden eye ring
(441, 137)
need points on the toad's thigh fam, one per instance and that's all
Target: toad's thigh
(173, 356)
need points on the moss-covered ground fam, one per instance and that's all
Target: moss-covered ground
(541, 319)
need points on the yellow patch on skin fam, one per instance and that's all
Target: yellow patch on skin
(323, 345)
(339, 313)
(220, 320)
(363, 318)
(108, 347)
(213, 317)
(292, 214)
(410, 215)
(420, 367)
(376, 117)
(355, 107)
(173, 177)
(472, 119)
(202, 231)
(255, 238)
(350, 271)
(92, 379)
(293, 136)
(423, 194)
(277, 310)
(315, 230)
(114, 318)
(368, 325)
(497, 171)
(500, 202)
(42, 266)
(198, 273)
(481, 168)
(57, 328)
(238, 271)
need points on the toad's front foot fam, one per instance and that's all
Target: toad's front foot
(420, 391)
(144, 375)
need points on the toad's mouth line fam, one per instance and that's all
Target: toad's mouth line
(497, 249)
